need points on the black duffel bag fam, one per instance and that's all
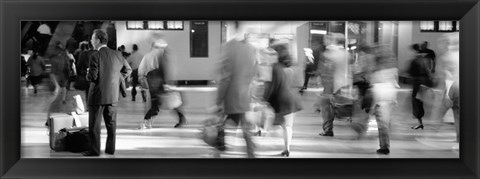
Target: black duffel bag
(77, 140)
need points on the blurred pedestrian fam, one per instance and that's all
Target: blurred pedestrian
(267, 57)
(73, 68)
(450, 61)
(134, 61)
(61, 68)
(311, 63)
(153, 75)
(122, 50)
(37, 66)
(236, 70)
(429, 54)
(24, 66)
(362, 70)
(384, 81)
(81, 82)
(44, 36)
(335, 74)
(421, 75)
(282, 96)
(107, 70)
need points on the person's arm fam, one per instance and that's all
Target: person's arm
(126, 69)
(42, 64)
(142, 73)
(92, 72)
(165, 65)
(225, 75)
(274, 84)
(434, 59)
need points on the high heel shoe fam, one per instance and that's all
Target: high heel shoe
(417, 127)
(285, 153)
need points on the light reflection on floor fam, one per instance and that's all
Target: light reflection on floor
(164, 141)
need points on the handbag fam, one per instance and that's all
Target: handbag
(342, 103)
(170, 100)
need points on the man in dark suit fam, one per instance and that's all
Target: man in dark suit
(235, 73)
(107, 69)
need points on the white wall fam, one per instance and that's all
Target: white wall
(270, 27)
(188, 68)
(404, 42)
(185, 67)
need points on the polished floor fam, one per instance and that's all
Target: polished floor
(437, 140)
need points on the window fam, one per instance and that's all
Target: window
(427, 26)
(177, 25)
(439, 26)
(134, 25)
(157, 25)
(445, 26)
(198, 39)
(154, 25)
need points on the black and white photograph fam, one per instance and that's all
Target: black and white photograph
(207, 89)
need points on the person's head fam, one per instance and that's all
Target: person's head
(34, 54)
(384, 57)
(415, 47)
(83, 46)
(424, 45)
(99, 38)
(134, 47)
(89, 46)
(241, 29)
(160, 43)
(283, 53)
(59, 46)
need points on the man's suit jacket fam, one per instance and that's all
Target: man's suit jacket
(107, 69)
(236, 70)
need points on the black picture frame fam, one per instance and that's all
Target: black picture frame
(12, 12)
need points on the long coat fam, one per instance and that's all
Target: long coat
(107, 68)
(236, 71)
(281, 93)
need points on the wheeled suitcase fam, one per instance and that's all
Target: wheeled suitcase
(58, 121)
